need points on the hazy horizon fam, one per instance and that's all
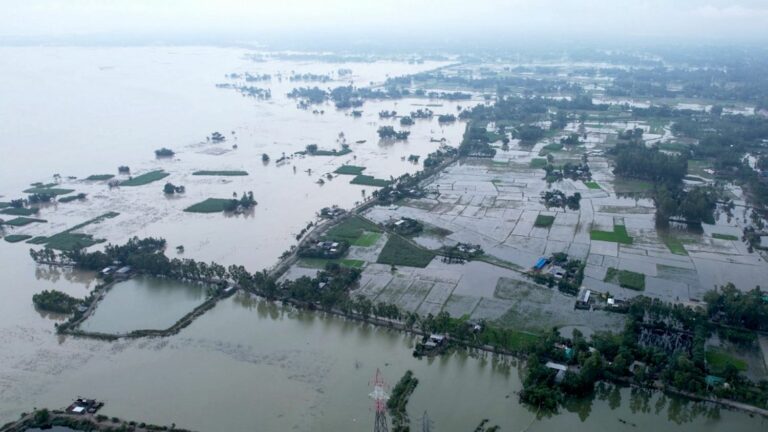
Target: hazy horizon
(350, 23)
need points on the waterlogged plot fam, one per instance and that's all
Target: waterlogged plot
(99, 177)
(145, 178)
(369, 181)
(210, 205)
(19, 211)
(22, 221)
(349, 170)
(223, 173)
(15, 238)
(144, 303)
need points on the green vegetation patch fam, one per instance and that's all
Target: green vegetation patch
(15, 238)
(55, 301)
(4, 205)
(401, 252)
(352, 229)
(145, 178)
(550, 148)
(21, 221)
(369, 181)
(211, 205)
(48, 190)
(592, 185)
(675, 147)
(221, 173)
(71, 198)
(724, 236)
(718, 360)
(320, 263)
(618, 235)
(69, 240)
(674, 245)
(538, 163)
(626, 279)
(366, 239)
(349, 170)
(544, 221)
(19, 211)
(99, 177)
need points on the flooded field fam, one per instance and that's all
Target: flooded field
(144, 302)
(249, 364)
(110, 107)
(275, 368)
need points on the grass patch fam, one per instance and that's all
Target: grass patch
(538, 163)
(401, 252)
(15, 238)
(674, 245)
(718, 360)
(69, 240)
(352, 229)
(99, 177)
(550, 148)
(544, 221)
(333, 152)
(618, 235)
(211, 205)
(4, 205)
(624, 185)
(70, 198)
(674, 147)
(349, 170)
(22, 221)
(145, 178)
(369, 181)
(592, 185)
(626, 279)
(48, 190)
(366, 239)
(220, 173)
(724, 236)
(320, 263)
(19, 211)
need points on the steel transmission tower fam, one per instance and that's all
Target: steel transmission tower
(426, 423)
(380, 396)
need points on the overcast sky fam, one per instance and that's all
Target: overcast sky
(708, 20)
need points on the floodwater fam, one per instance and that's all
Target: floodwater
(144, 302)
(246, 364)
(249, 365)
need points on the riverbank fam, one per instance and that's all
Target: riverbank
(45, 419)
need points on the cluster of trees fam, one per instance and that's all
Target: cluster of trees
(398, 401)
(569, 282)
(164, 152)
(245, 202)
(476, 143)
(170, 189)
(389, 132)
(55, 301)
(557, 198)
(406, 121)
(648, 163)
(610, 356)
(446, 118)
(695, 205)
(736, 308)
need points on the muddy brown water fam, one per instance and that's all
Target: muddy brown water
(245, 364)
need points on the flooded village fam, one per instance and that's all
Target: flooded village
(231, 239)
